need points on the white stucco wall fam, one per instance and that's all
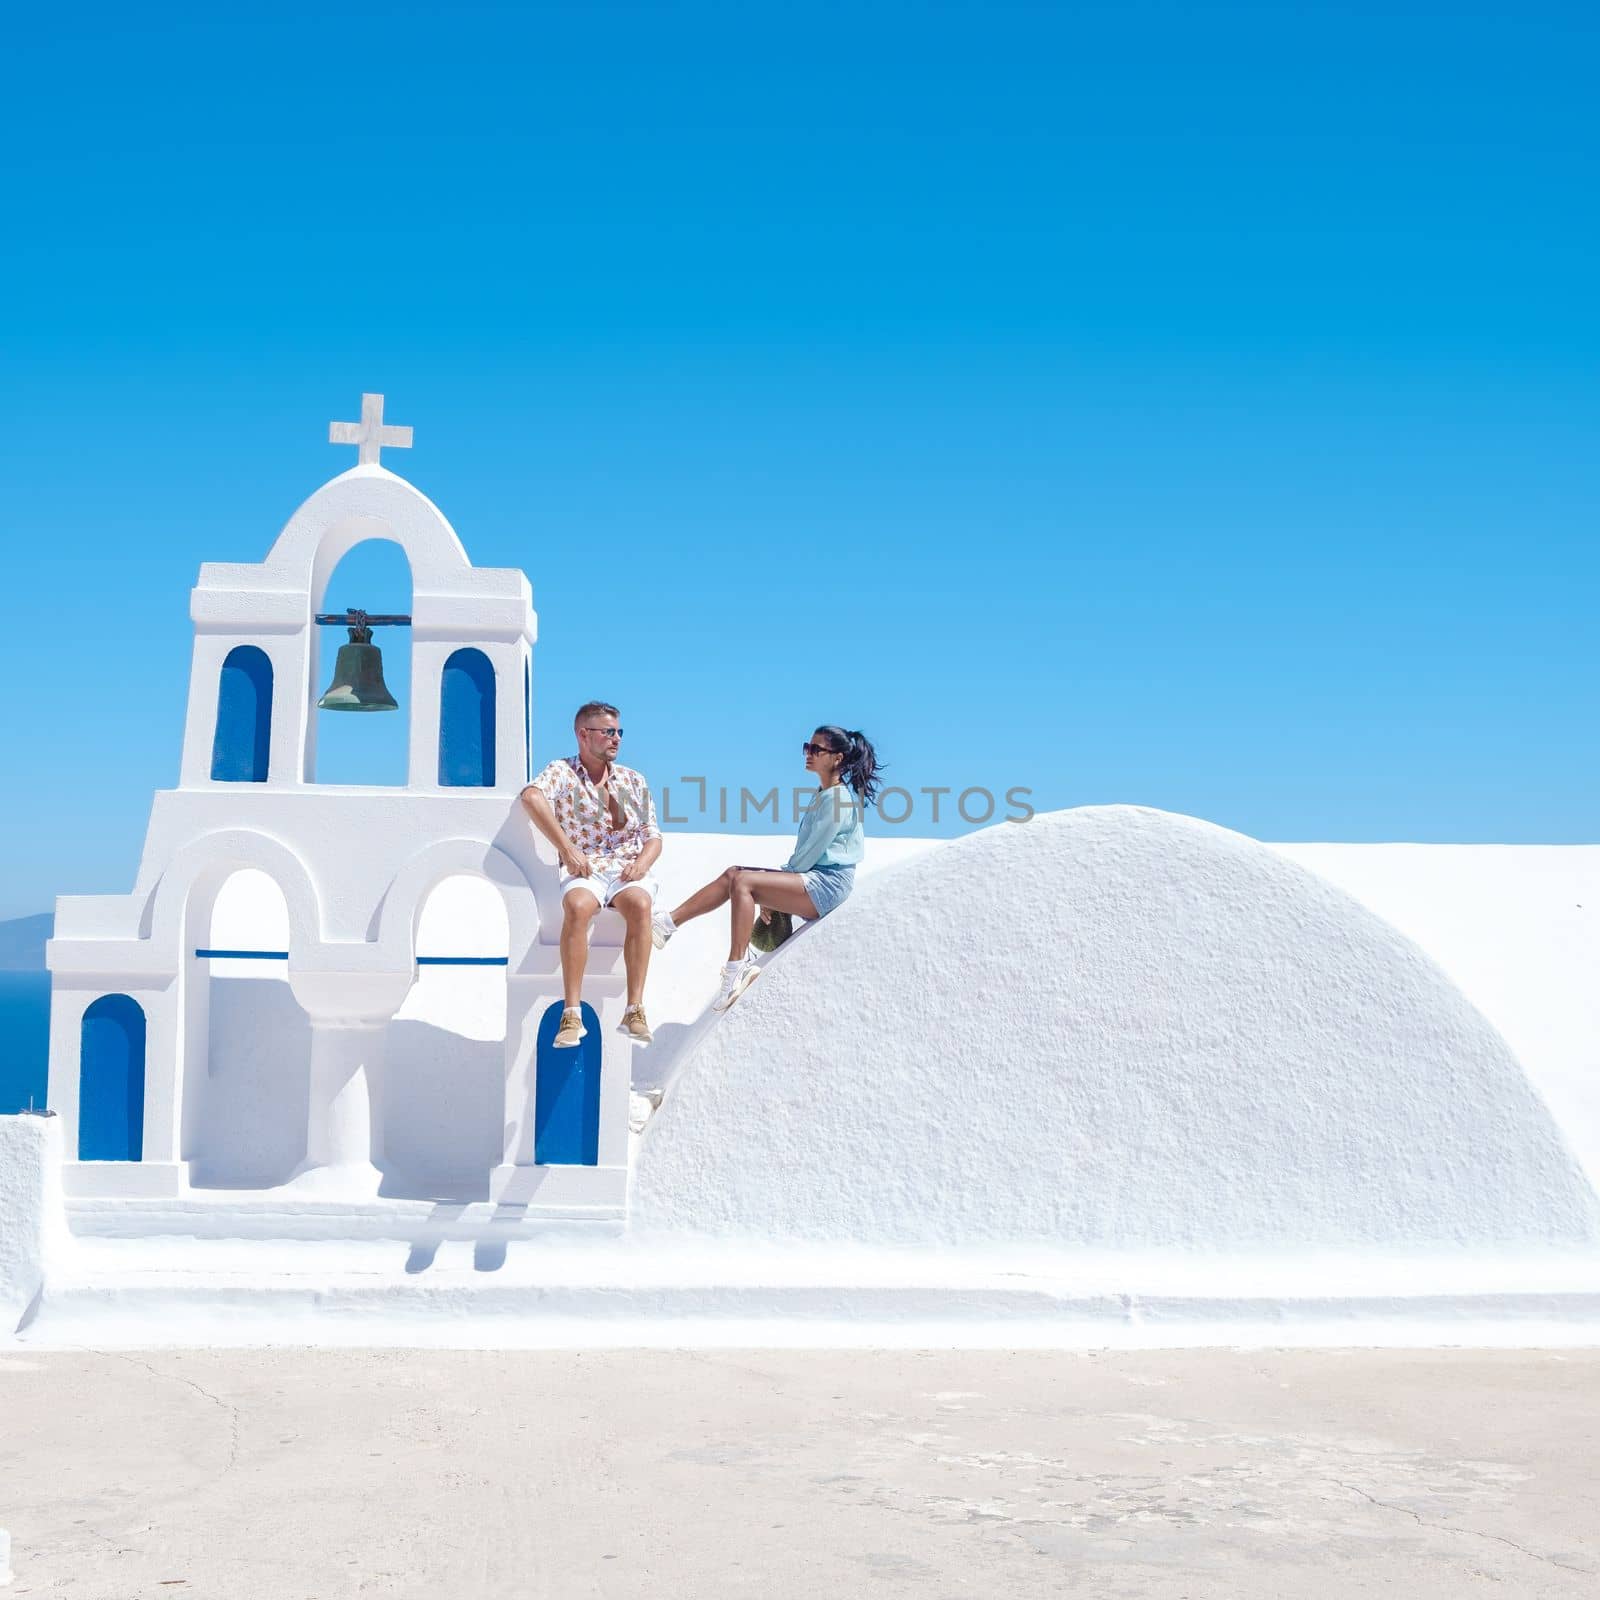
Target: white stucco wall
(1117, 1028)
(33, 1230)
(1517, 929)
(1507, 924)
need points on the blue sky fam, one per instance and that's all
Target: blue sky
(1187, 405)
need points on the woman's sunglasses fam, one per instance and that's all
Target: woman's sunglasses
(818, 749)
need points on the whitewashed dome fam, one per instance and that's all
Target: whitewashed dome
(1115, 1028)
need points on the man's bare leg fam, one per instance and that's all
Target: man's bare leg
(578, 910)
(633, 905)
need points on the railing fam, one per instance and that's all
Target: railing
(422, 961)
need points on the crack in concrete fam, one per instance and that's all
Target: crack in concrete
(105, 1538)
(189, 1383)
(1471, 1533)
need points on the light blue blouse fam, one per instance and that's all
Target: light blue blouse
(831, 834)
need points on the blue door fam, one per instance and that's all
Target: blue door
(111, 1081)
(566, 1103)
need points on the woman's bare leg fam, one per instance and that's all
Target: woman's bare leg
(707, 899)
(748, 888)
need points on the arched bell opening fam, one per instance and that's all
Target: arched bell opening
(370, 749)
(241, 746)
(247, 1042)
(466, 721)
(443, 1100)
(111, 1080)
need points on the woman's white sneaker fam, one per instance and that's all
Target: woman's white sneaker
(737, 976)
(662, 928)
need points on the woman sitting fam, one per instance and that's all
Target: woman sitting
(814, 880)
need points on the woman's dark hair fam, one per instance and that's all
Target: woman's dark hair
(860, 766)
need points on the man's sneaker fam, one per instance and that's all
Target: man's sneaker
(662, 928)
(633, 1025)
(737, 976)
(571, 1029)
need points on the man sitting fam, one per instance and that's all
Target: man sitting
(602, 821)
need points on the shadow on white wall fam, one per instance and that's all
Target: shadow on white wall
(250, 1123)
(442, 1101)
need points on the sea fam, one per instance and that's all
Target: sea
(24, 1039)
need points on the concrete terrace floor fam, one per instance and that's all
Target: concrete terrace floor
(292, 1474)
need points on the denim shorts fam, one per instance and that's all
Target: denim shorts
(828, 887)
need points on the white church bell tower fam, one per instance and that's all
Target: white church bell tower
(293, 997)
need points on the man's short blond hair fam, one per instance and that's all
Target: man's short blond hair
(593, 708)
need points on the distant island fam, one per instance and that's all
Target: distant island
(22, 942)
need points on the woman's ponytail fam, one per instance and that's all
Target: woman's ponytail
(860, 766)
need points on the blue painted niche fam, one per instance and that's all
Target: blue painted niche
(111, 1081)
(242, 745)
(466, 722)
(566, 1118)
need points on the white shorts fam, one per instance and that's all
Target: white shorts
(606, 886)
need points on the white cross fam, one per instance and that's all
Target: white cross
(371, 433)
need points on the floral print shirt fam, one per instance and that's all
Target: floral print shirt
(581, 808)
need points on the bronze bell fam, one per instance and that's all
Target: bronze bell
(358, 676)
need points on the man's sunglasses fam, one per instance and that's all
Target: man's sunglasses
(818, 749)
(606, 733)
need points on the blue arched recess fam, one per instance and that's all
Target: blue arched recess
(243, 741)
(111, 1081)
(566, 1117)
(466, 722)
